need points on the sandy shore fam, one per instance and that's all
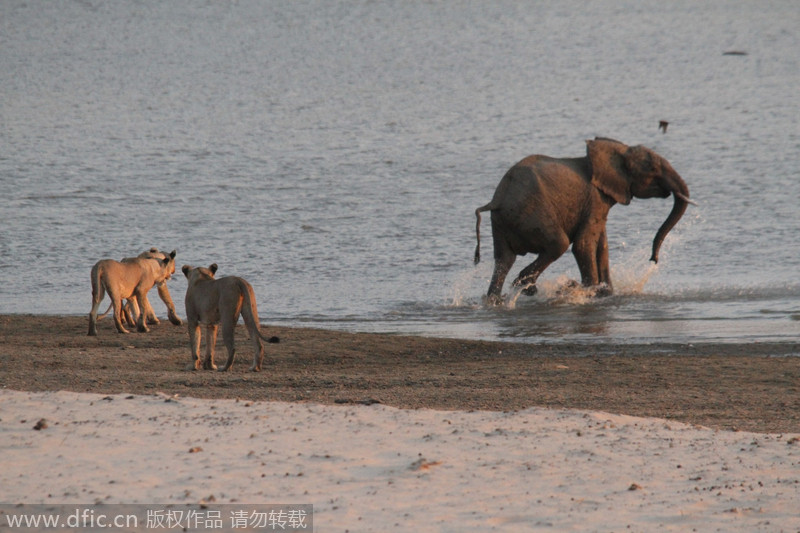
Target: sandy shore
(378, 468)
(748, 387)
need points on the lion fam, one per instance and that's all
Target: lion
(132, 309)
(210, 301)
(130, 279)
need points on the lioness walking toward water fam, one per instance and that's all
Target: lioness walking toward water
(210, 301)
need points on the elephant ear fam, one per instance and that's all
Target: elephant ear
(609, 169)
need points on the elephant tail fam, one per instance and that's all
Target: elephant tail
(487, 207)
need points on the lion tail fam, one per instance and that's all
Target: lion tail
(250, 310)
(98, 290)
(105, 313)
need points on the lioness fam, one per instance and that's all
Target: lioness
(127, 280)
(163, 293)
(210, 301)
(131, 309)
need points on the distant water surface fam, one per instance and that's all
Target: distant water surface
(333, 153)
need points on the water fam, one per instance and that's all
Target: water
(333, 153)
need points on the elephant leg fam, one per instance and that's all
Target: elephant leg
(528, 276)
(603, 270)
(502, 264)
(591, 253)
(586, 256)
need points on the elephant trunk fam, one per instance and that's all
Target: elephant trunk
(674, 184)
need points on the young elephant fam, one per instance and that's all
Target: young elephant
(125, 281)
(544, 204)
(210, 301)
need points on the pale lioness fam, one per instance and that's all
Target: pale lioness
(131, 309)
(163, 293)
(210, 301)
(127, 280)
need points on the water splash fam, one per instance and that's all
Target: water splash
(510, 300)
(630, 280)
(461, 292)
(566, 291)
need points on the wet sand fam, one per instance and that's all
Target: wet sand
(748, 387)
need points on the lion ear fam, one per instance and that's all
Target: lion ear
(173, 253)
(213, 268)
(185, 269)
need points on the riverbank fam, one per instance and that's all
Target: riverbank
(748, 387)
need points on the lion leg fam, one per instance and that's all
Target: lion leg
(194, 344)
(131, 311)
(150, 315)
(228, 330)
(258, 355)
(147, 311)
(211, 341)
(98, 293)
(250, 315)
(151, 318)
(255, 338)
(141, 323)
(116, 301)
(163, 293)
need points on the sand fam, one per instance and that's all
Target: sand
(384, 432)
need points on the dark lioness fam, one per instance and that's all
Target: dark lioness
(210, 301)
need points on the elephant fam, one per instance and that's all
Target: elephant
(544, 204)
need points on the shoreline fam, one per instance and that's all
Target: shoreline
(748, 387)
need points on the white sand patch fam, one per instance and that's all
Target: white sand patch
(371, 468)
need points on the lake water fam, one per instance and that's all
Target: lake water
(333, 154)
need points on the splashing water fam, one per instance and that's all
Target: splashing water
(461, 293)
(566, 291)
(631, 281)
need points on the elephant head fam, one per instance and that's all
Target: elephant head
(623, 172)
